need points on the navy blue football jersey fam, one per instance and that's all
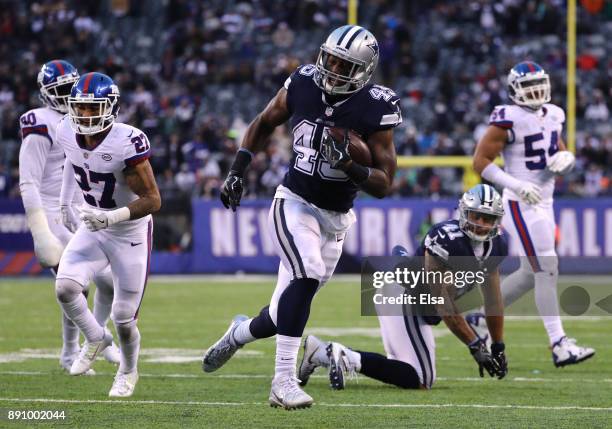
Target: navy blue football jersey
(447, 242)
(373, 108)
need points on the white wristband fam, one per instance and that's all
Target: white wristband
(498, 176)
(119, 215)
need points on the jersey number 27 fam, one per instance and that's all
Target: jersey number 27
(106, 200)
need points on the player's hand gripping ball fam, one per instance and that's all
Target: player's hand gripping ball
(340, 145)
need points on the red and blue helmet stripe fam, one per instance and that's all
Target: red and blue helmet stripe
(95, 85)
(55, 80)
(52, 70)
(94, 89)
(526, 67)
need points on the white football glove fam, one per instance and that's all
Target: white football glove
(69, 218)
(529, 193)
(47, 248)
(561, 162)
(96, 220)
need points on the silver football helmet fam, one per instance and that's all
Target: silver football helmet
(346, 60)
(485, 200)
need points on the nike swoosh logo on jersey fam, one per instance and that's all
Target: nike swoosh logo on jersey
(441, 235)
(135, 244)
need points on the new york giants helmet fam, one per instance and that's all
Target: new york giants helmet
(93, 103)
(529, 85)
(55, 80)
(358, 50)
(485, 200)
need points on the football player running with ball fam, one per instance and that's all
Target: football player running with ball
(40, 177)
(528, 134)
(109, 161)
(312, 209)
(473, 243)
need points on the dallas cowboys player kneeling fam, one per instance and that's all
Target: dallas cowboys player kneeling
(312, 209)
(474, 242)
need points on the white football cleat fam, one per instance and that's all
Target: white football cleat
(88, 354)
(478, 323)
(124, 384)
(66, 364)
(67, 357)
(315, 355)
(340, 365)
(286, 393)
(337, 366)
(112, 354)
(566, 352)
(219, 353)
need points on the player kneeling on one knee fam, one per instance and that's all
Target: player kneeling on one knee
(473, 243)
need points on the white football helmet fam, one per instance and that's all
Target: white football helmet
(529, 85)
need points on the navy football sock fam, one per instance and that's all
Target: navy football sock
(389, 371)
(294, 307)
(262, 326)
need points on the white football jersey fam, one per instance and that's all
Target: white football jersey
(533, 137)
(42, 122)
(99, 171)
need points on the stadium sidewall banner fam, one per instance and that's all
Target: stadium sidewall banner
(226, 242)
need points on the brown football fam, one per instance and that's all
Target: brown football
(358, 149)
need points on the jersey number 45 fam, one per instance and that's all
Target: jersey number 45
(308, 159)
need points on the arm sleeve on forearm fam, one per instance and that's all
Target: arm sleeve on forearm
(68, 184)
(498, 176)
(32, 160)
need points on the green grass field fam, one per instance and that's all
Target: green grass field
(179, 319)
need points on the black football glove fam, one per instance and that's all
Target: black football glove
(335, 152)
(483, 358)
(231, 192)
(499, 357)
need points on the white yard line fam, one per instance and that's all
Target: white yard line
(265, 376)
(233, 278)
(256, 278)
(322, 404)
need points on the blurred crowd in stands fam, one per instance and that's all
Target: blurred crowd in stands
(193, 74)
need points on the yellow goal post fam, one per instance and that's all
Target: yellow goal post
(470, 177)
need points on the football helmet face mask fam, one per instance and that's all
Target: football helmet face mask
(93, 104)
(529, 85)
(346, 60)
(480, 212)
(55, 80)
